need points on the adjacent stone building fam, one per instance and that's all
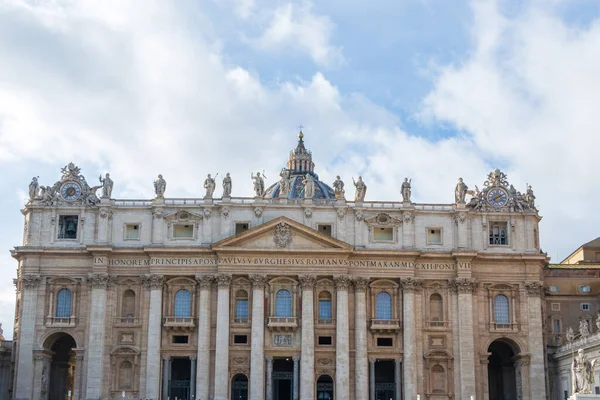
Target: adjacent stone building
(5, 367)
(297, 293)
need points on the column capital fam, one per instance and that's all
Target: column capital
(258, 281)
(269, 359)
(223, 281)
(100, 281)
(372, 360)
(166, 358)
(296, 358)
(193, 358)
(205, 281)
(533, 288)
(341, 282)
(31, 281)
(360, 283)
(463, 285)
(411, 285)
(307, 281)
(152, 281)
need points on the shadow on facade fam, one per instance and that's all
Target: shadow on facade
(502, 377)
(62, 367)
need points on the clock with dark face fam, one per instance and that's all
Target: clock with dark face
(70, 191)
(497, 197)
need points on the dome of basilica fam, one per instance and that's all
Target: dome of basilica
(290, 184)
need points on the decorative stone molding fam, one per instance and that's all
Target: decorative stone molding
(459, 217)
(258, 212)
(383, 220)
(411, 284)
(282, 235)
(258, 281)
(308, 213)
(325, 361)
(106, 213)
(534, 288)
(31, 281)
(207, 213)
(408, 217)
(158, 214)
(223, 281)
(100, 281)
(360, 284)
(153, 281)
(240, 360)
(463, 285)
(225, 212)
(307, 281)
(205, 281)
(359, 215)
(342, 282)
(341, 213)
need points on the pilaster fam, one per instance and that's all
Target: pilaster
(222, 348)
(204, 312)
(361, 363)
(257, 350)
(29, 284)
(307, 352)
(409, 287)
(537, 384)
(466, 352)
(342, 346)
(154, 283)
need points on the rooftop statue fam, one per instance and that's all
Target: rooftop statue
(582, 374)
(33, 188)
(160, 185)
(71, 189)
(259, 184)
(498, 195)
(227, 185)
(584, 329)
(338, 187)
(284, 182)
(309, 186)
(406, 190)
(209, 185)
(107, 186)
(361, 189)
(460, 191)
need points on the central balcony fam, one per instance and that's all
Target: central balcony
(61, 322)
(180, 323)
(282, 323)
(385, 325)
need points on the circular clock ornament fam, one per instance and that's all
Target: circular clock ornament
(497, 197)
(70, 191)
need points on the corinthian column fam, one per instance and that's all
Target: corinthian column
(257, 349)
(307, 352)
(361, 363)
(222, 350)
(342, 345)
(154, 283)
(24, 374)
(202, 366)
(409, 286)
(466, 346)
(535, 340)
(95, 346)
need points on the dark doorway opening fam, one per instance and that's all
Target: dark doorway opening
(502, 382)
(324, 388)
(283, 378)
(62, 369)
(179, 385)
(385, 383)
(239, 387)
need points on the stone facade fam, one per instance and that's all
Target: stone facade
(275, 298)
(5, 367)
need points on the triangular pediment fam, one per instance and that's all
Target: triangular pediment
(282, 234)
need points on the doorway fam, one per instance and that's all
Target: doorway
(324, 388)
(385, 383)
(501, 371)
(59, 382)
(239, 387)
(179, 384)
(283, 379)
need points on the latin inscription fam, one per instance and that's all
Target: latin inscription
(134, 262)
(282, 340)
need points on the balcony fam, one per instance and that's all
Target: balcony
(61, 322)
(385, 325)
(241, 321)
(180, 323)
(326, 322)
(496, 327)
(127, 321)
(437, 325)
(282, 323)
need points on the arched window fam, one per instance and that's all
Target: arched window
(325, 306)
(63, 304)
(241, 306)
(501, 309)
(128, 304)
(183, 304)
(438, 379)
(436, 307)
(239, 387)
(383, 306)
(283, 304)
(125, 375)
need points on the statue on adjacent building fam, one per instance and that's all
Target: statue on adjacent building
(34, 187)
(259, 184)
(570, 334)
(460, 191)
(584, 329)
(209, 185)
(406, 190)
(598, 322)
(160, 185)
(309, 186)
(338, 188)
(582, 373)
(227, 185)
(284, 183)
(107, 186)
(530, 197)
(361, 189)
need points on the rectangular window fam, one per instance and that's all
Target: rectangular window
(240, 339)
(67, 226)
(325, 341)
(180, 339)
(241, 227)
(385, 342)
(584, 288)
(555, 306)
(132, 232)
(181, 231)
(554, 288)
(498, 234)
(383, 233)
(325, 229)
(585, 306)
(324, 309)
(556, 325)
(241, 308)
(434, 236)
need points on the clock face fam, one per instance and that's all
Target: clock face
(70, 191)
(497, 197)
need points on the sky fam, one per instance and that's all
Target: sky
(427, 89)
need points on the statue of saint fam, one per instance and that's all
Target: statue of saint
(338, 187)
(361, 189)
(584, 329)
(33, 188)
(570, 334)
(259, 185)
(582, 373)
(406, 190)
(460, 191)
(309, 186)
(160, 185)
(598, 322)
(284, 183)
(107, 186)
(530, 197)
(227, 185)
(209, 185)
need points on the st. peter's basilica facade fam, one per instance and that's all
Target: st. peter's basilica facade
(296, 293)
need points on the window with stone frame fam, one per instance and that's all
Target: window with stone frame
(240, 301)
(241, 306)
(502, 310)
(125, 375)
(124, 371)
(179, 304)
(384, 306)
(182, 304)
(556, 324)
(68, 226)
(498, 233)
(128, 305)
(437, 366)
(435, 307)
(324, 302)
(63, 303)
(283, 303)
(61, 295)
